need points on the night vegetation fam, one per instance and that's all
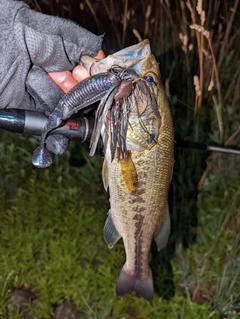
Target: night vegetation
(54, 262)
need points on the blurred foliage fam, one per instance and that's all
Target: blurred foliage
(54, 262)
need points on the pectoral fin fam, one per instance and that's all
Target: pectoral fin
(111, 235)
(105, 174)
(161, 238)
(129, 173)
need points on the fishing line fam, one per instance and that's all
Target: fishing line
(181, 102)
(191, 108)
(150, 94)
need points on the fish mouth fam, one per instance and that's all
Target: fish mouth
(128, 58)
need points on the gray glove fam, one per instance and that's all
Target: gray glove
(31, 45)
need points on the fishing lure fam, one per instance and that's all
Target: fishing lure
(95, 88)
(113, 89)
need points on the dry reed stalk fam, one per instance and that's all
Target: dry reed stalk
(110, 9)
(147, 15)
(218, 103)
(200, 40)
(137, 35)
(36, 5)
(166, 6)
(198, 94)
(93, 12)
(232, 137)
(234, 83)
(125, 21)
(225, 43)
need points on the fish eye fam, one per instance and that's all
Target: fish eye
(151, 78)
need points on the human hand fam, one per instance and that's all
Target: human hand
(66, 79)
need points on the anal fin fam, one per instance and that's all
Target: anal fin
(111, 235)
(161, 237)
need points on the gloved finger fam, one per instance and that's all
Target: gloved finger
(43, 90)
(47, 95)
(57, 143)
(64, 80)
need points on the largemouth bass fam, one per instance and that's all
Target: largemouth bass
(139, 182)
(135, 122)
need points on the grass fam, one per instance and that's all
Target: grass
(53, 257)
(52, 248)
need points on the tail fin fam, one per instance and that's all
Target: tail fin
(128, 283)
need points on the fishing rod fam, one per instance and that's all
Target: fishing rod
(205, 147)
(32, 122)
(76, 128)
